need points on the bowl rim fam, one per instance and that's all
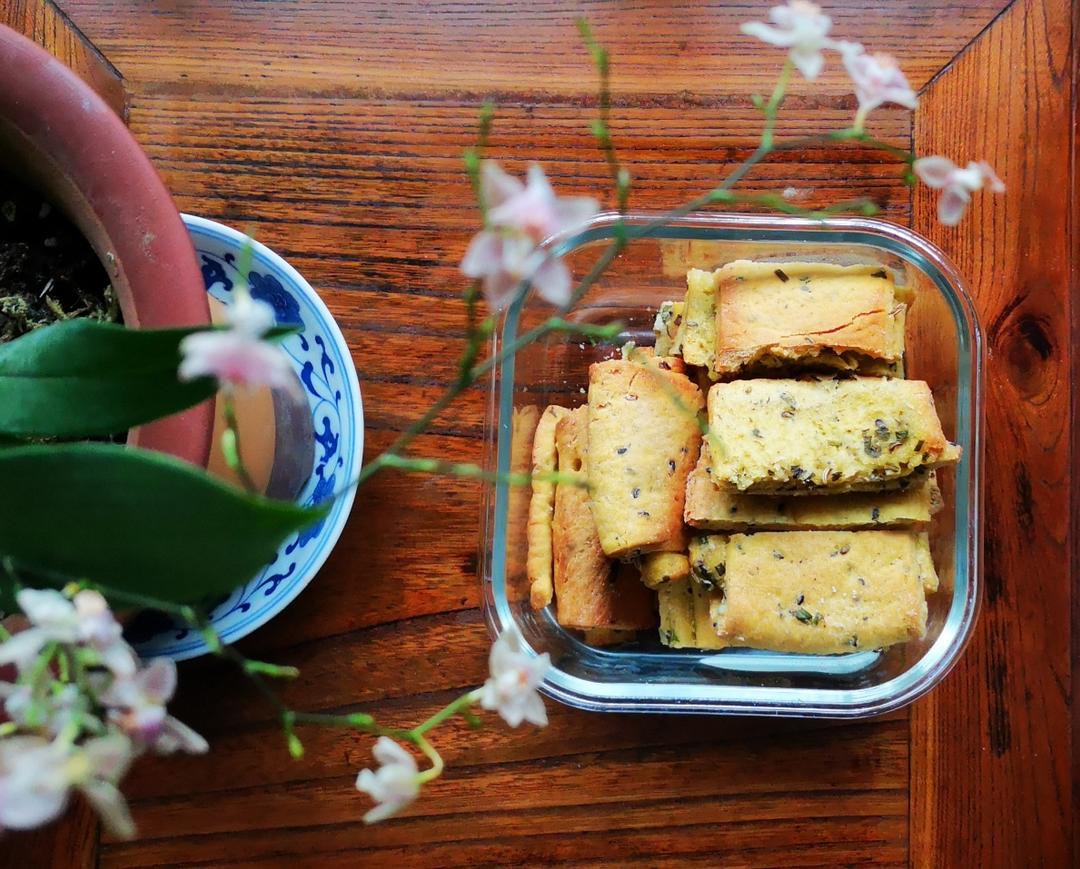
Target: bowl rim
(894, 693)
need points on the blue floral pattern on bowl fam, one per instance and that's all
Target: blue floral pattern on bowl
(324, 365)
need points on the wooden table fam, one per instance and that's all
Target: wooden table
(333, 128)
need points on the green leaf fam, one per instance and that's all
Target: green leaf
(137, 521)
(82, 378)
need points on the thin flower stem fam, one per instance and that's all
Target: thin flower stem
(436, 761)
(230, 444)
(464, 702)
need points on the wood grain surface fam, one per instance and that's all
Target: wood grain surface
(334, 131)
(45, 23)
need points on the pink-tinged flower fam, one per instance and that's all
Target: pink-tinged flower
(799, 27)
(956, 184)
(394, 785)
(878, 79)
(511, 688)
(53, 619)
(137, 706)
(521, 216)
(49, 710)
(36, 778)
(99, 630)
(238, 357)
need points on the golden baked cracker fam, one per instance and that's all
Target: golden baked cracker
(658, 568)
(800, 436)
(667, 328)
(705, 635)
(925, 560)
(644, 438)
(823, 592)
(706, 555)
(710, 509)
(699, 319)
(648, 357)
(804, 313)
(542, 508)
(589, 593)
(522, 431)
(677, 620)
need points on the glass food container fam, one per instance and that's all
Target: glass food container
(944, 348)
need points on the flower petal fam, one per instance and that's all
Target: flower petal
(552, 281)
(534, 710)
(158, 680)
(45, 606)
(390, 753)
(31, 807)
(990, 176)
(109, 756)
(111, 806)
(952, 205)
(382, 811)
(496, 186)
(250, 316)
(483, 256)
(934, 171)
(22, 648)
(810, 62)
(573, 211)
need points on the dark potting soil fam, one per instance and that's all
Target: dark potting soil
(48, 271)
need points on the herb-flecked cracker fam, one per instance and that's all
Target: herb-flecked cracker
(677, 619)
(542, 508)
(799, 436)
(698, 336)
(644, 439)
(710, 509)
(798, 313)
(659, 568)
(589, 592)
(824, 592)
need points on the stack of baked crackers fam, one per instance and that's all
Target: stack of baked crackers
(763, 477)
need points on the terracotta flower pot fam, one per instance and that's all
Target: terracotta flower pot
(56, 131)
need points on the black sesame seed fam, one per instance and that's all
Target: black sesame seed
(671, 466)
(621, 450)
(780, 273)
(875, 514)
(635, 492)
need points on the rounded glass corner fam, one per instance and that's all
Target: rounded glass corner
(945, 346)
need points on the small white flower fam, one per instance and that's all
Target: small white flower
(137, 705)
(238, 357)
(394, 785)
(957, 184)
(52, 710)
(52, 618)
(878, 79)
(55, 619)
(36, 778)
(515, 675)
(799, 27)
(100, 631)
(521, 216)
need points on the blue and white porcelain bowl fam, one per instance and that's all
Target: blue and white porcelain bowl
(324, 365)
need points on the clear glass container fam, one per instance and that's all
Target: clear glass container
(944, 348)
